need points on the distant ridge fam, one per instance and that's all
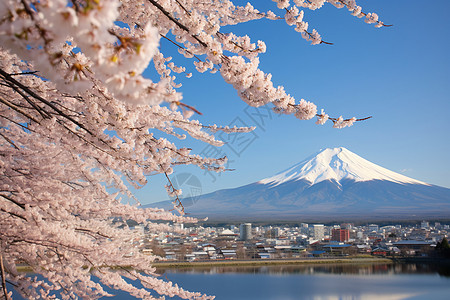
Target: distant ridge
(333, 184)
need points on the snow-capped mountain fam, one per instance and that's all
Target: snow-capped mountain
(337, 164)
(332, 184)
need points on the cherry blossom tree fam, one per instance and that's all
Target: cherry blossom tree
(79, 124)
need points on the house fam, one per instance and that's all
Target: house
(336, 248)
(363, 248)
(380, 251)
(228, 253)
(263, 255)
(414, 247)
(200, 255)
(317, 253)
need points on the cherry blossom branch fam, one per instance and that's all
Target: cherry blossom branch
(13, 214)
(335, 119)
(174, 192)
(13, 201)
(9, 78)
(53, 106)
(25, 73)
(178, 23)
(363, 13)
(11, 283)
(41, 111)
(237, 45)
(16, 123)
(92, 233)
(2, 273)
(9, 141)
(47, 243)
(226, 58)
(179, 46)
(310, 34)
(16, 108)
(182, 6)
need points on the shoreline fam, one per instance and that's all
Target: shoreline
(283, 262)
(274, 262)
(258, 262)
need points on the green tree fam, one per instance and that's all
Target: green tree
(444, 244)
(443, 248)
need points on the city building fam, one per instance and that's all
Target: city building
(424, 225)
(318, 231)
(373, 227)
(340, 235)
(304, 228)
(245, 232)
(227, 235)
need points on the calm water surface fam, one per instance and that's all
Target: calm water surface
(315, 282)
(384, 281)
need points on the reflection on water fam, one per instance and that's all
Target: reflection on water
(319, 282)
(337, 269)
(312, 282)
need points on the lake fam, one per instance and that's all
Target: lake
(317, 282)
(411, 281)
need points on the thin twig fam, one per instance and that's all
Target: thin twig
(91, 233)
(17, 123)
(182, 6)
(34, 105)
(5, 292)
(24, 73)
(9, 141)
(181, 47)
(16, 108)
(177, 201)
(188, 107)
(22, 206)
(13, 214)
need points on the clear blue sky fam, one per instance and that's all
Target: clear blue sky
(399, 75)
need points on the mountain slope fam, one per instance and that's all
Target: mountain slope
(332, 184)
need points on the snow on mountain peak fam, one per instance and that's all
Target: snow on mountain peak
(337, 164)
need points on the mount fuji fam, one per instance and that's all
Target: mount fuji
(333, 184)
